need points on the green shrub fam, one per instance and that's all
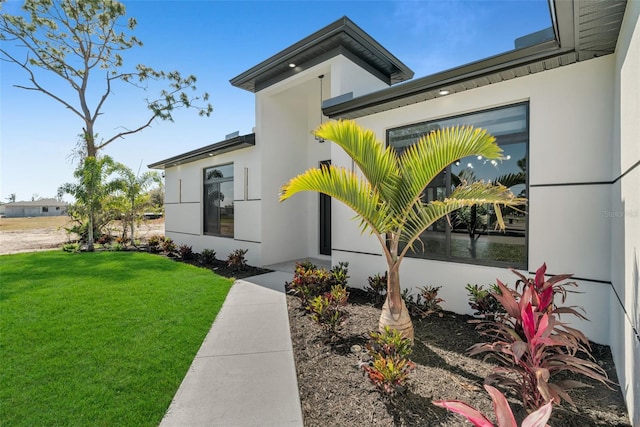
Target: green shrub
(390, 366)
(168, 246)
(338, 275)
(377, 288)
(155, 243)
(208, 256)
(71, 247)
(482, 300)
(328, 310)
(116, 247)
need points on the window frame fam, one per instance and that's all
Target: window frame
(448, 257)
(204, 199)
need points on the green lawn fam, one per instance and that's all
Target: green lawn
(100, 339)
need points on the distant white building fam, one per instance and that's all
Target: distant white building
(565, 109)
(43, 207)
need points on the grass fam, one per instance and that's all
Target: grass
(32, 223)
(99, 339)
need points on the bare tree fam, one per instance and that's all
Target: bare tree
(80, 42)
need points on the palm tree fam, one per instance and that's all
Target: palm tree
(133, 188)
(387, 200)
(91, 189)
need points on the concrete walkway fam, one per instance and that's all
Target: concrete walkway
(244, 373)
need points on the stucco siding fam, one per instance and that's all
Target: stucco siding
(625, 212)
(570, 143)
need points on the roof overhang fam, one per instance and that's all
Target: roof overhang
(583, 30)
(342, 37)
(231, 144)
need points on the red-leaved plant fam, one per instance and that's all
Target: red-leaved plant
(533, 345)
(502, 410)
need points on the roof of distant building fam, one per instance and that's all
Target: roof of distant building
(36, 203)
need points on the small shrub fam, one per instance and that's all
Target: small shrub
(236, 259)
(482, 300)
(73, 248)
(339, 274)
(116, 247)
(168, 246)
(390, 343)
(309, 282)
(208, 256)
(424, 303)
(155, 243)
(377, 288)
(502, 411)
(533, 345)
(104, 239)
(431, 301)
(390, 366)
(329, 309)
(185, 252)
(122, 240)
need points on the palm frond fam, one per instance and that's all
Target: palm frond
(477, 193)
(347, 187)
(511, 179)
(377, 163)
(422, 162)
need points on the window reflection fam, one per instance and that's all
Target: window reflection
(218, 201)
(470, 234)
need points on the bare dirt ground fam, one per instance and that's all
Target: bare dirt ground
(44, 233)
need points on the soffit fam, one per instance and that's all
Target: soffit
(341, 37)
(221, 147)
(584, 30)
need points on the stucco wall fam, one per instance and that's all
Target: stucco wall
(29, 211)
(624, 212)
(570, 148)
(184, 212)
(286, 115)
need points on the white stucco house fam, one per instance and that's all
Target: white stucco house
(564, 106)
(42, 207)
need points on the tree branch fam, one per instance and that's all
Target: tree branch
(37, 87)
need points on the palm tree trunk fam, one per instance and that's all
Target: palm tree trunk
(394, 311)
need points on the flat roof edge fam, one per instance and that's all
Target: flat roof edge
(220, 147)
(494, 64)
(247, 79)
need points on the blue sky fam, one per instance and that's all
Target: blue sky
(216, 41)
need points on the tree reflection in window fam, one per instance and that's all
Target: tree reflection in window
(469, 234)
(218, 201)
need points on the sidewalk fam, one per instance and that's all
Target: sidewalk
(244, 373)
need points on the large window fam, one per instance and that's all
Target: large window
(218, 200)
(469, 234)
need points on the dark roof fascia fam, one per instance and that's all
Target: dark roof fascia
(340, 50)
(566, 22)
(437, 81)
(246, 80)
(221, 147)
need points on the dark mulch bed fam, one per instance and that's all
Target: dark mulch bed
(335, 392)
(222, 269)
(219, 267)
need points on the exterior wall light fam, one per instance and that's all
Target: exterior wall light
(443, 92)
(292, 65)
